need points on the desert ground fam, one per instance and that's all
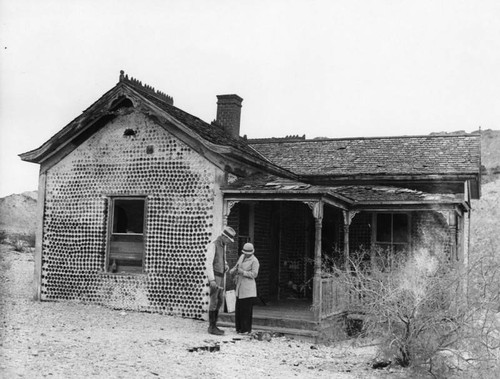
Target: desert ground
(76, 340)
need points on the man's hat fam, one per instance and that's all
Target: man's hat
(248, 249)
(229, 233)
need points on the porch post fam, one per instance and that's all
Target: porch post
(454, 236)
(346, 246)
(347, 222)
(461, 256)
(228, 204)
(317, 292)
(460, 239)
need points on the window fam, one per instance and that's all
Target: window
(126, 237)
(392, 231)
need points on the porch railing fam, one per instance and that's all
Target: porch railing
(337, 297)
(334, 297)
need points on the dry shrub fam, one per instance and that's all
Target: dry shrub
(20, 246)
(418, 307)
(22, 243)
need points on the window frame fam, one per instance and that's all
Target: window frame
(139, 269)
(391, 244)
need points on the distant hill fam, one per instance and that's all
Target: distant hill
(490, 151)
(18, 213)
(485, 217)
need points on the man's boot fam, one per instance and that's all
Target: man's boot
(215, 322)
(212, 328)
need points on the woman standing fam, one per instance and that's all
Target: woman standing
(246, 270)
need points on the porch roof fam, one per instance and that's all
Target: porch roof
(268, 186)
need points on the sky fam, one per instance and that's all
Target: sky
(324, 68)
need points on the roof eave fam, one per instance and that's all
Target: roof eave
(473, 176)
(393, 176)
(67, 133)
(100, 109)
(283, 195)
(410, 205)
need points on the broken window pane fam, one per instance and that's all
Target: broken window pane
(126, 243)
(128, 216)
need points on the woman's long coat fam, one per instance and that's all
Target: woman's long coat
(245, 281)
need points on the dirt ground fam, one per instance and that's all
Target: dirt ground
(75, 340)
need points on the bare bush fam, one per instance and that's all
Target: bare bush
(21, 242)
(419, 308)
(20, 246)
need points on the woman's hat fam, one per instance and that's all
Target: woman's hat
(247, 248)
(229, 233)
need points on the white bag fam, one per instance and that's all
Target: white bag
(230, 301)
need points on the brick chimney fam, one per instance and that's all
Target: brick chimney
(229, 113)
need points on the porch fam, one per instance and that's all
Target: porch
(293, 318)
(301, 231)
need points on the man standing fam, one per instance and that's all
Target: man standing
(216, 267)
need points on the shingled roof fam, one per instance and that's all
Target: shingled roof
(211, 132)
(407, 155)
(102, 111)
(351, 195)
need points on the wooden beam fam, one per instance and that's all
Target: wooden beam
(336, 203)
(270, 195)
(402, 207)
(60, 152)
(460, 240)
(348, 216)
(384, 179)
(454, 235)
(317, 209)
(227, 206)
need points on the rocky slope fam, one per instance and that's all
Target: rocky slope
(485, 218)
(490, 152)
(18, 213)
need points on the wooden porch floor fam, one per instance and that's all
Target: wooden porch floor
(296, 309)
(290, 317)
